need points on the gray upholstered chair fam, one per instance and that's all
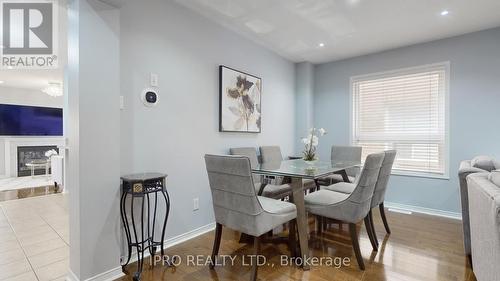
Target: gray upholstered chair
(275, 191)
(380, 189)
(272, 154)
(237, 206)
(479, 164)
(378, 194)
(343, 154)
(350, 208)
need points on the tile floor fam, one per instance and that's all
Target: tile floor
(34, 238)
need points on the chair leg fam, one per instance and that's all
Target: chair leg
(384, 219)
(215, 250)
(256, 250)
(355, 245)
(319, 224)
(317, 184)
(370, 217)
(292, 237)
(369, 231)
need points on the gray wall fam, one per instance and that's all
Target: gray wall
(185, 50)
(304, 102)
(474, 107)
(93, 131)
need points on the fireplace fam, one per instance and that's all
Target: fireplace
(27, 154)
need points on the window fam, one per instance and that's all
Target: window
(404, 110)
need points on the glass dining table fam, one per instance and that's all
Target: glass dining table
(298, 170)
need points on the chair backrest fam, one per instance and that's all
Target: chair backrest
(347, 154)
(271, 154)
(360, 199)
(233, 193)
(249, 152)
(383, 177)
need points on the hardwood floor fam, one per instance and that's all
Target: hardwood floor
(421, 247)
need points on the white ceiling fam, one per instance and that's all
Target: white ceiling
(30, 79)
(348, 28)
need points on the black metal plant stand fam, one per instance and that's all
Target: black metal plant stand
(142, 186)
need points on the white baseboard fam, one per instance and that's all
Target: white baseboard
(116, 273)
(71, 276)
(178, 239)
(422, 210)
(109, 275)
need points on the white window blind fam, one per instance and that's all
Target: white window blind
(403, 110)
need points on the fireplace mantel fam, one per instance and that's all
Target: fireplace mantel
(11, 144)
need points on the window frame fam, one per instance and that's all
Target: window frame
(404, 71)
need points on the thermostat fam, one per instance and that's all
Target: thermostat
(150, 97)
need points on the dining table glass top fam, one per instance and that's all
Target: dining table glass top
(302, 169)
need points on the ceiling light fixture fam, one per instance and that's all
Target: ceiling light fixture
(1, 82)
(54, 89)
(321, 44)
(445, 12)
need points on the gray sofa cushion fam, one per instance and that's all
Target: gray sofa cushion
(483, 162)
(484, 203)
(497, 164)
(465, 170)
(494, 177)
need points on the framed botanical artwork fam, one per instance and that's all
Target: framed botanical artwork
(239, 101)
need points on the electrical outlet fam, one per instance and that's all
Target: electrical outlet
(196, 204)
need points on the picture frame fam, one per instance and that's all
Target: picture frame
(240, 98)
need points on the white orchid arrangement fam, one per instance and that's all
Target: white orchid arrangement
(50, 153)
(311, 143)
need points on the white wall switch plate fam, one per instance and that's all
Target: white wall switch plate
(122, 102)
(196, 204)
(153, 80)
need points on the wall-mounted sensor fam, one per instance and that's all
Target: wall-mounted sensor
(149, 97)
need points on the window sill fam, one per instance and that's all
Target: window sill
(420, 175)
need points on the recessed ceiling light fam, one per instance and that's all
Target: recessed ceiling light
(1, 82)
(321, 44)
(445, 12)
